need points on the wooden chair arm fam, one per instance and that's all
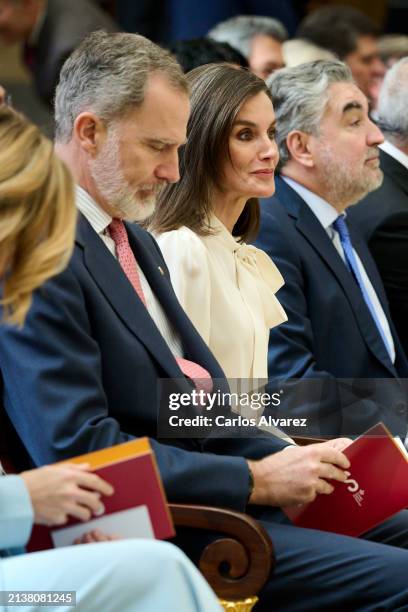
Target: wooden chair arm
(238, 564)
(304, 440)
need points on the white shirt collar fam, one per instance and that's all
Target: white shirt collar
(395, 153)
(324, 211)
(98, 218)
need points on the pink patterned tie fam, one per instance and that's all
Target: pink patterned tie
(127, 260)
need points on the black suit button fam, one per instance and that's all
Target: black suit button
(400, 408)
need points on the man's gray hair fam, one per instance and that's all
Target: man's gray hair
(392, 104)
(240, 30)
(300, 95)
(107, 74)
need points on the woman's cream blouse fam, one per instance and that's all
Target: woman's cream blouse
(228, 291)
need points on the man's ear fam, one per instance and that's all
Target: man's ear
(90, 133)
(298, 144)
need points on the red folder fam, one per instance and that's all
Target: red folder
(376, 489)
(138, 507)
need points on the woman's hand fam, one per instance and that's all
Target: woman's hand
(96, 536)
(60, 491)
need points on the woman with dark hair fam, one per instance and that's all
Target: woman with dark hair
(203, 222)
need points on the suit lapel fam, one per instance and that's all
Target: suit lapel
(313, 231)
(160, 283)
(116, 288)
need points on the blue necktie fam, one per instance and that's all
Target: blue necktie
(341, 228)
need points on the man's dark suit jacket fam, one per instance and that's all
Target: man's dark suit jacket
(84, 373)
(330, 333)
(382, 218)
(66, 23)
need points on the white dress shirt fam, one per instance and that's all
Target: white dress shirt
(395, 153)
(327, 214)
(100, 220)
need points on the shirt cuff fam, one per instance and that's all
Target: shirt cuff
(16, 512)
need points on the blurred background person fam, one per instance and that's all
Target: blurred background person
(37, 226)
(202, 222)
(259, 39)
(392, 47)
(298, 51)
(353, 37)
(50, 30)
(196, 52)
(189, 19)
(383, 214)
(150, 19)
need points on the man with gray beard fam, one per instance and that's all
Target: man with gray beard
(339, 332)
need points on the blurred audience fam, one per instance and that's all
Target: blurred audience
(225, 286)
(383, 214)
(190, 19)
(299, 51)
(353, 37)
(392, 47)
(199, 51)
(150, 19)
(50, 31)
(259, 39)
(339, 325)
(37, 221)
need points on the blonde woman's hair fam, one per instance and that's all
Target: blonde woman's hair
(37, 213)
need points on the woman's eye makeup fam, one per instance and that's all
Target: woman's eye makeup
(247, 133)
(244, 134)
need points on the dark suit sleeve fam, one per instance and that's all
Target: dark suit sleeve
(389, 246)
(54, 396)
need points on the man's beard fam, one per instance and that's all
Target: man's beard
(109, 179)
(344, 183)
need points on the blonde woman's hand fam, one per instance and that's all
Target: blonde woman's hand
(90, 537)
(60, 491)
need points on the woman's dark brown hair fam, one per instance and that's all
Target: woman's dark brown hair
(217, 93)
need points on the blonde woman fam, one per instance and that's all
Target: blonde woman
(37, 213)
(37, 225)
